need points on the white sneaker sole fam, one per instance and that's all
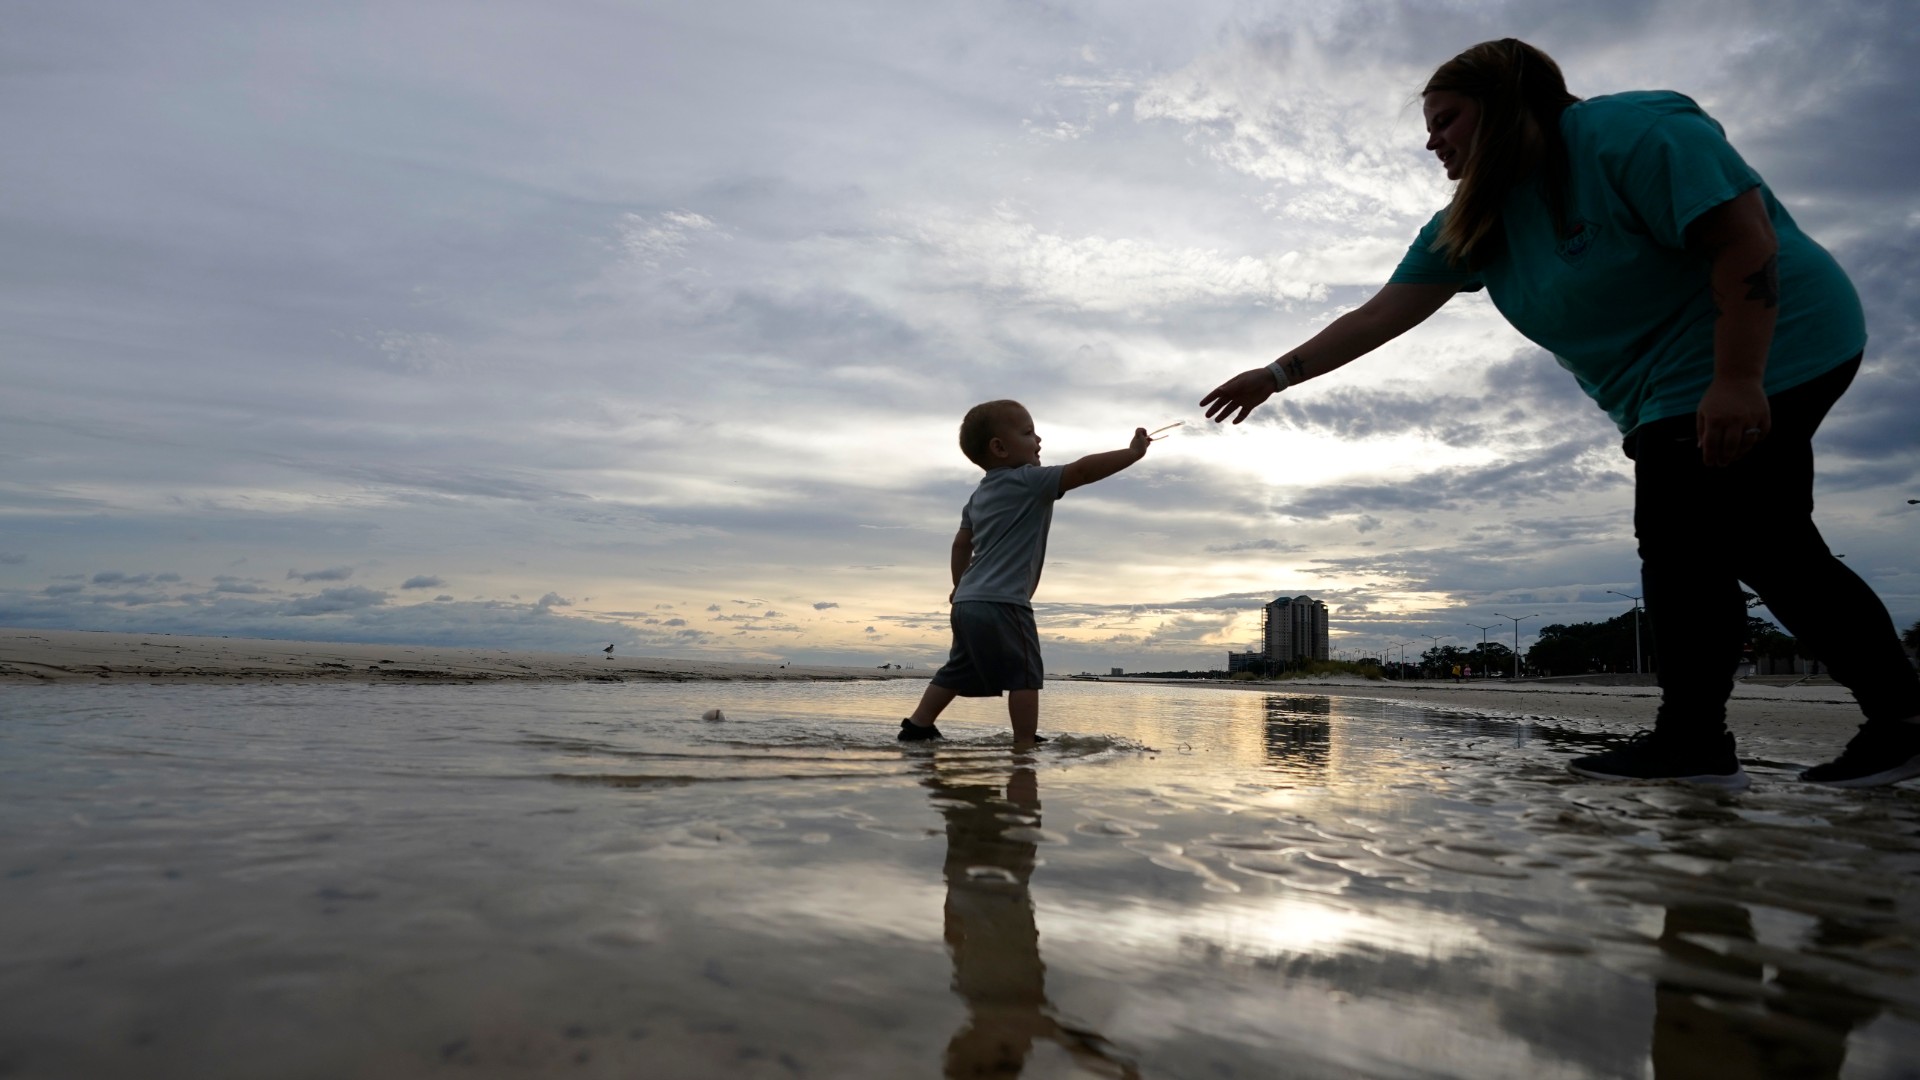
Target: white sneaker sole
(1880, 779)
(1737, 780)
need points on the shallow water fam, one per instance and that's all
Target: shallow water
(343, 881)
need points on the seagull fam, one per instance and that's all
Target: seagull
(609, 651)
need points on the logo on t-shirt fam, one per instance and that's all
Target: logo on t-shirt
(1581, 234)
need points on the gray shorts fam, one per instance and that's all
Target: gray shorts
(995, 647)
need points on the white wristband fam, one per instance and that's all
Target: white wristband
(1280, 380)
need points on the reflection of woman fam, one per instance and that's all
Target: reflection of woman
(1797, 1027)
(1625, 235)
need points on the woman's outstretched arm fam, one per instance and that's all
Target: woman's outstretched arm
(1392, 311)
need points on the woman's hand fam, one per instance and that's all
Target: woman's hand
(1245, 392)
(1732, 419)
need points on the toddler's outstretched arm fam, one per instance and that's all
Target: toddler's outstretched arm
(1100, 466)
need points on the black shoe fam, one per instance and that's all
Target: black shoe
(1652, 755)
(912, 732)
(1880, 754)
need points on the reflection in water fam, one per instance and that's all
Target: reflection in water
(1795, 1025)
(1299, 734)
(990, 929)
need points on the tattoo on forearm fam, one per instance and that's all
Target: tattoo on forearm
(1764, 284)
(1296, 369)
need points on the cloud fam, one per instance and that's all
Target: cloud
(724, 354)
(1262, 545)
(337, 573)
(664, 237)
(331, 601)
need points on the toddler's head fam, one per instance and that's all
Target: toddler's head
(1004, 420)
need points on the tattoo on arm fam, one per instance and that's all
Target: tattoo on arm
(1764, 284)
(1296, 369)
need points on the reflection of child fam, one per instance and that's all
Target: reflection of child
(997, 555)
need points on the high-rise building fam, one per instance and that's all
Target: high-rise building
(1294, 628)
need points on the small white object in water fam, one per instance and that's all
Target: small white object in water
(713, 714)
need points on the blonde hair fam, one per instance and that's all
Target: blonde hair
(1521, 95)
(981, 424)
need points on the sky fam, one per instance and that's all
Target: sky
(550, 326)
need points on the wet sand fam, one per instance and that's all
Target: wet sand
(1805, 722)
(41, 656)
(1816, 715)
(412, 876)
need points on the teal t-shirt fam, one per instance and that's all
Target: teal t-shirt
(1621, 302)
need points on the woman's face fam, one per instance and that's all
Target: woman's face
(1452, 120)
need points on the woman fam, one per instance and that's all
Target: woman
(1624, 235)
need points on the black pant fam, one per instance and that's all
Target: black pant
(1704, 530)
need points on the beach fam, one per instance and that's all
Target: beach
(1817, 715)
(224, 858)
(41, 656)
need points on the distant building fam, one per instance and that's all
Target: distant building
(1293, 628)
(1252, 660)
(1117, 671)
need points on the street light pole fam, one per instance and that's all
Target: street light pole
(1483, 643)
(1403, 659)
(1636, 626)
(1516, 638)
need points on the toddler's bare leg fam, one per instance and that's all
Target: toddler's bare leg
(932, 703)
(1023, 709)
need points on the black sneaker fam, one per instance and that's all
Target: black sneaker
(1650, 755)
(1879, 754)
(912, 732)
